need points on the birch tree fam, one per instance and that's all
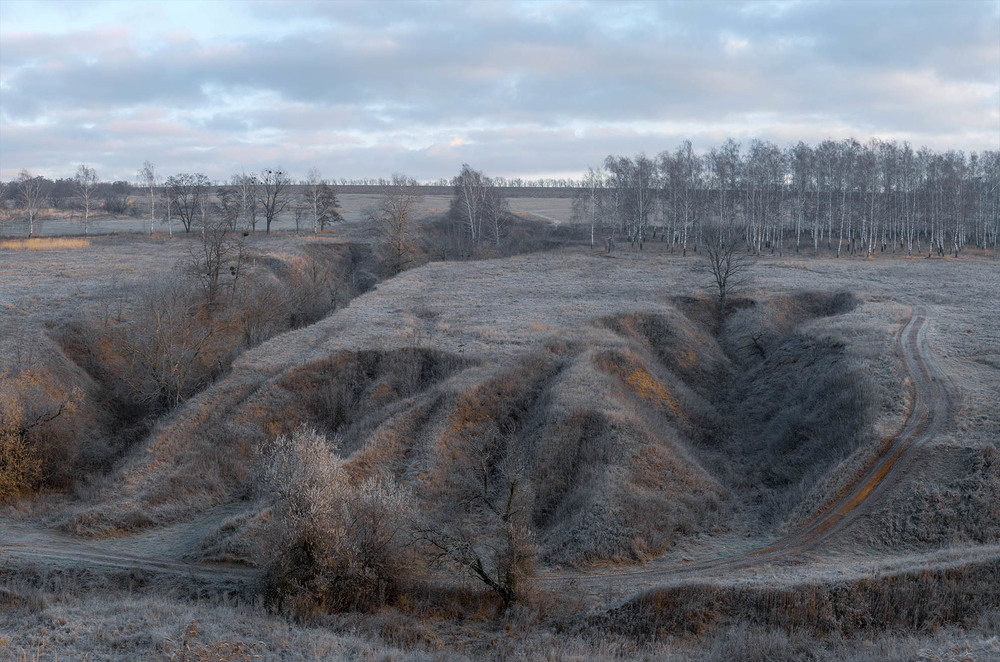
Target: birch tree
(148, 180)
(31, 191)
(587, 202)
(314, 180)
(86, 180)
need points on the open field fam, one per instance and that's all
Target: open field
(692, 495)
(352, 208)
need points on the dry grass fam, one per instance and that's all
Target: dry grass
(918, 599)
(609, 377)
(44, 244)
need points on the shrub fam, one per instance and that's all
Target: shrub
(333, 545)
(35, 445)
(750, 334)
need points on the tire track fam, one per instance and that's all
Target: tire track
(931, 409)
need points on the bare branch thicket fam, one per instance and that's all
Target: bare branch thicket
(481, 522)
(632, 201)
(220, 256)
(391, 220)
(114, 196)
(334, 544)
(479, 211)
(33, 448)
(170, 347)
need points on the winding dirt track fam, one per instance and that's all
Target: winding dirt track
(931, 408)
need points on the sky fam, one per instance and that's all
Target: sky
(516, 89)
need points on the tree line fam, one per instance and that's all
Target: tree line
(843, 196)
(189, 200)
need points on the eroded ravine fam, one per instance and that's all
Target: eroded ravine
(929, 413)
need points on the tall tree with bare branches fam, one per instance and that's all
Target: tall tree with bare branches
(272, 193)
(32, 193)
(86, 181)
(391, 220)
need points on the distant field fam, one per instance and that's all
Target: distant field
(556, 209)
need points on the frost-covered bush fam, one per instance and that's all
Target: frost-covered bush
(333, 544)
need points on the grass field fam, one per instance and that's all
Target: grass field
(651, 433)
(352, 208)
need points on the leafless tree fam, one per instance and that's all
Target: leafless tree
(169, 346)
(221, 254)
(314, 180)
(632, 200)
(479, 210)
(481, 523)
(147, 179)
(245, 188)
(497, 214)
(468, 206)
(31, 190)
(391, 220)
(272, 194)
(587, 202)
(727, 263)
(86, 180)
(187, 192)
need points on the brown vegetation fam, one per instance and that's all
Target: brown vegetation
(464, 438)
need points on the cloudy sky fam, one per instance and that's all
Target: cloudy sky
(514, 88)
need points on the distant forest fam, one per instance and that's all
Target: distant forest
(846, 196)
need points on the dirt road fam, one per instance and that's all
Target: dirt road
(21, 544)
(930, 411)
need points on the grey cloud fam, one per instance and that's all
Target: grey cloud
(412, 75)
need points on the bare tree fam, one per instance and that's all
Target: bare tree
(314, 180)
(497, 214)
(187, 192)
(391, 220)
(220, 253)
(147, 179)
(728, 265)
(31, 190)
(468, 206)
(245, 188)
(171, 350)
(587, 202)
(481, 522)
(86, 180)
(272, 188)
